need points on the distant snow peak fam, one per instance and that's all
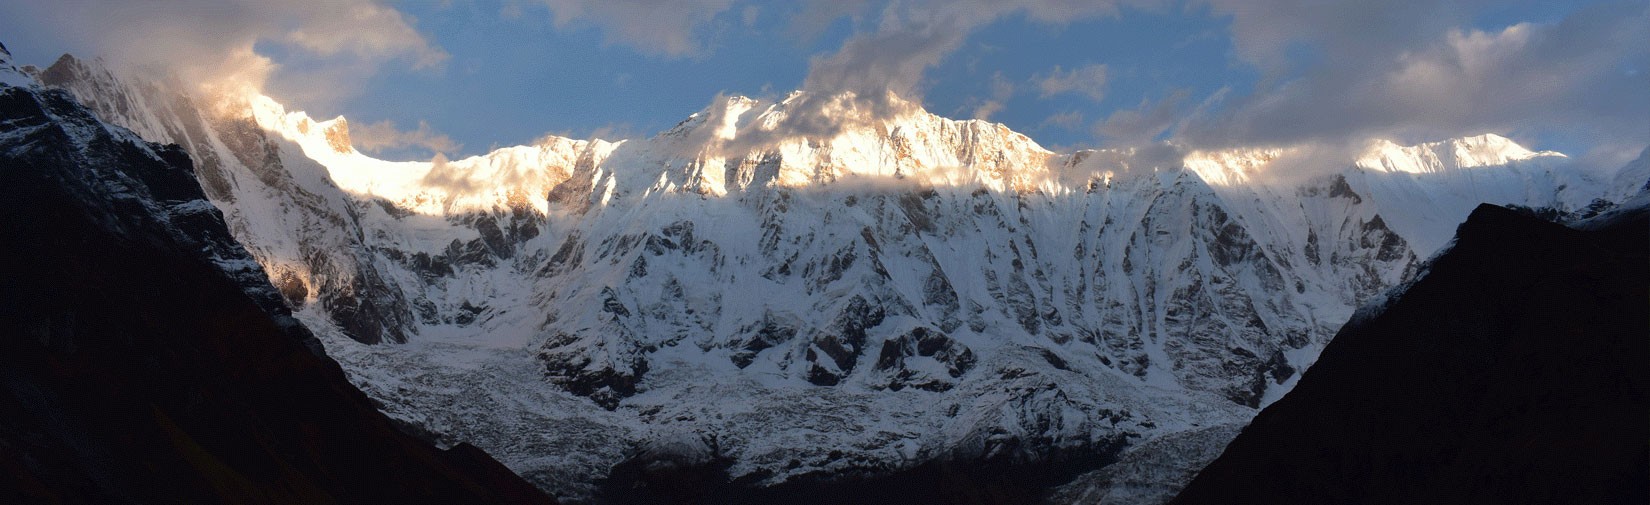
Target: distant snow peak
(1272, 165)
(506, 178)
(1468, 152)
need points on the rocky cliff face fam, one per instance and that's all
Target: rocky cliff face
(908, 291)
(299, 216)
(146, 356)
(1510, 372)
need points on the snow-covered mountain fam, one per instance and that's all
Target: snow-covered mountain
(908, 290)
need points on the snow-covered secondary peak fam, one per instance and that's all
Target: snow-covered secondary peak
(1434, 157)
(1234, 166)
(9, 74)
(1258, 165)
(1634, 179)
(336, 133)
(504, 178)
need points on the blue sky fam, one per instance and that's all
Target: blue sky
(570, 81)
(463, 77)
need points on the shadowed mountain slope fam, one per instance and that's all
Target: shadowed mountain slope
(144, 357)
(1513, 371)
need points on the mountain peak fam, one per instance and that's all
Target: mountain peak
(337, 135)
(973, 294)
(806, 139)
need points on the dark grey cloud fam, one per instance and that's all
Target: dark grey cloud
(1415, 71)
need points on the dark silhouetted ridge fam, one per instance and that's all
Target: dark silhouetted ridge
(1516, 370)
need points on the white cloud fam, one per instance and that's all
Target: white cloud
(214, 42)
(365, 30)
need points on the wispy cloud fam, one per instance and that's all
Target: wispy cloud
(384, 135)
(1144, 123)
(878, 72)
(677, 28)
(1001, 90)
(1069, 120)
(1088, 81)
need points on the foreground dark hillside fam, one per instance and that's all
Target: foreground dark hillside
(144, 359)
(1517, 370)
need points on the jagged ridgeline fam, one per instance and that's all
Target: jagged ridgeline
(910, 291)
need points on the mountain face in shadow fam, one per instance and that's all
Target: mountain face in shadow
(1513, 371)
(145, 358)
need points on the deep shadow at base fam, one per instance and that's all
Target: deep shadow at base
(948, 481)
